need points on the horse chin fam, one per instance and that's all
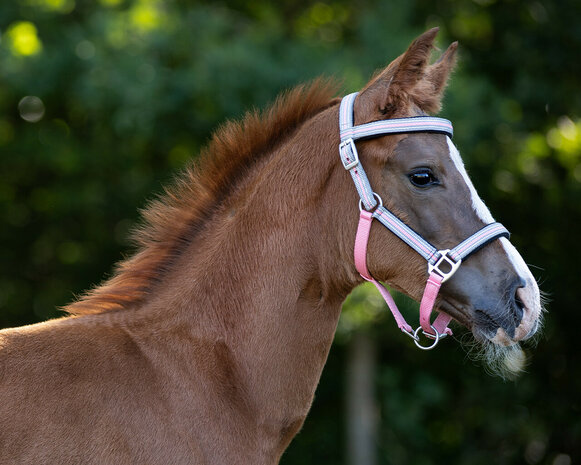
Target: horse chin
(502, 355)
(506, 361)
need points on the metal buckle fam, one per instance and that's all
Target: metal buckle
(436, 337)
(444, 259)
(352, 164)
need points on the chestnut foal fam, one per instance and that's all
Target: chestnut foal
(207, 345)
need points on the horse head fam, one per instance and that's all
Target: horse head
(422, 180)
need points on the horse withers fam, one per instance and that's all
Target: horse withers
(207, 344)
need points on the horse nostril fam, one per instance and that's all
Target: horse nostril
(519, 307)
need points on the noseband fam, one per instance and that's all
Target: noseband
(442, 264)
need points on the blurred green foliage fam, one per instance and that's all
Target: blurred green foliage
(100, 102)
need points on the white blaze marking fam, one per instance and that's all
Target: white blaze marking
(477, 204)
(531, 297)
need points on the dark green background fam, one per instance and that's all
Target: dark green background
(132, 89)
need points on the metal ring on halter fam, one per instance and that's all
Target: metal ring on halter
(436, 337)
(378, 200)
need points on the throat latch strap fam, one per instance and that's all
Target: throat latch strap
(361, 240)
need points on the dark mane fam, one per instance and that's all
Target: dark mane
(169, 222)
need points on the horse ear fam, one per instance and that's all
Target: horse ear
(412, 64)
(408, 78)
(427, 95)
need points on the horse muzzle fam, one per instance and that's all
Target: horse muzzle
(514, 318)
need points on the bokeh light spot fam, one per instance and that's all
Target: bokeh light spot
(85, 50)
(31, 108)
(23, 39)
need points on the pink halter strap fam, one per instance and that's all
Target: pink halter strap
(442, 264)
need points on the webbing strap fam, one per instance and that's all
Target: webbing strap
(361, 240)
(388, 126)
(430, 253)
(406, 234)
(431, 291)
(346, 112)
(478, 240)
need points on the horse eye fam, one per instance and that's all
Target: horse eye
(422, 178)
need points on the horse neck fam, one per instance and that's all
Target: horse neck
(258, 277)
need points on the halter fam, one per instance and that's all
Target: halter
(442, 264)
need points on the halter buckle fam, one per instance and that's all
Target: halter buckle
(348, 165)
(444, 259)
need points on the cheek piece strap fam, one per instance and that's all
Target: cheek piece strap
(442, 264)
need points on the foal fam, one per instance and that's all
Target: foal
(207, 345)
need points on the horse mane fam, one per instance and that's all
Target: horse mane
(171, 221)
